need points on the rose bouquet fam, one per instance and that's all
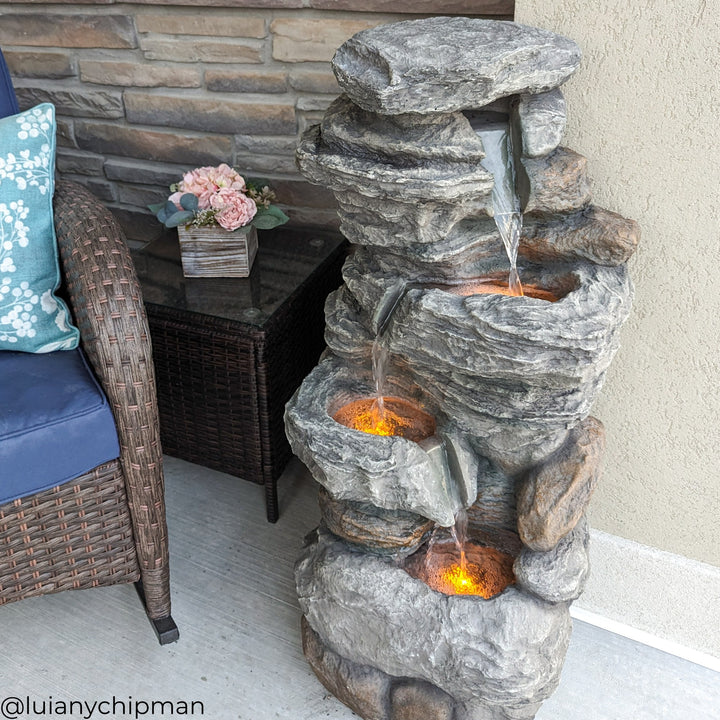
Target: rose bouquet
(219, 197)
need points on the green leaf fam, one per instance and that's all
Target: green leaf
(266, 221)
(278, 213)
(178, 218)
(189, 202)
(156, 207)
(269, 218)
(162, 216)
(170, 208)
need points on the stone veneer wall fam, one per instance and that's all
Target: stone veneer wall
(146, 90)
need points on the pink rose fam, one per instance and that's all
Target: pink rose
(225, 177)
(206, 181)
(234, 208)
(199, 183)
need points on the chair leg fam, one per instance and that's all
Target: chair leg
(165, 628)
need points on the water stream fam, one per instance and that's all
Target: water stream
(380, 357)
(379, 353)
(498, 161)
(459, 534)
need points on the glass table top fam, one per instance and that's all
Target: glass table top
(286, 258)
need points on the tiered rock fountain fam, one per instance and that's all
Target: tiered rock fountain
(448, 421)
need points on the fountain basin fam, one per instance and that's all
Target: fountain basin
(505, 652)
(479, 570)
(391, 472)
(497, 284)
(396, 417)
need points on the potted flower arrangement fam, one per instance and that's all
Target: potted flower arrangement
(217, 213)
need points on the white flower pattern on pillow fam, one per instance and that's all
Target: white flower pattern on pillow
(17, 310)
(26, 170)
(30, 171)
(16, 303)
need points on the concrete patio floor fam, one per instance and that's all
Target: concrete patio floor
(239, 654)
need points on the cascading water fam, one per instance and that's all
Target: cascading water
(380, 355)
(459, 535)
(498, 160)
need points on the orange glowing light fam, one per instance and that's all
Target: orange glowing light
(478, 570)
(371, 419)
(492, 286)
(394, 416)
(466, 580)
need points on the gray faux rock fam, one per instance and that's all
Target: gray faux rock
(373, 694)
(471, 246)
(555, 494)
(389, 531)
(494, 506)
(362, 688)
(442, 64)
(347, 319)
(374, 178)
(593, 234)
(392, 203)
(419, 228)
(506, 651)
(541, 119)
(557, 183)
(390, 472)
(403, 140)
(514, 373)
(478, 710)
(560, 574)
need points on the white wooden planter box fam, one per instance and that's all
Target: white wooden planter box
(214, 252)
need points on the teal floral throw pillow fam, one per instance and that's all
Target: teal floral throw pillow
(32, 318)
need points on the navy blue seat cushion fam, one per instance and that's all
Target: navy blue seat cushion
(8, 100)
(55, 422)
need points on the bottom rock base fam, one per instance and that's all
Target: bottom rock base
(375, 695)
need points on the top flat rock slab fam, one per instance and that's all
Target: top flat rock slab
(443, 64)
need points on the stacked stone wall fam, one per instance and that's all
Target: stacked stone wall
(146, 90)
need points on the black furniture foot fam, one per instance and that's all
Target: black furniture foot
(165, 628)
(272, 509)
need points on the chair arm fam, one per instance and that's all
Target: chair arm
(106, 302)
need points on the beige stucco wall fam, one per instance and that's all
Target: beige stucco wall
(644, 108)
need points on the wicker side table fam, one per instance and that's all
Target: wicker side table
(229, 352)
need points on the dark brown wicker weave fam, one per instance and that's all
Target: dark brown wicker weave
(107, 526)
(223, 384)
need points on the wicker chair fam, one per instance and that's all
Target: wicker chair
(107, 526)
